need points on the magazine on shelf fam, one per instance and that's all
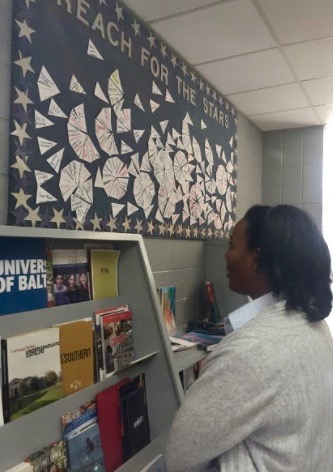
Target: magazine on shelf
(134, 414)
(31, 372)
(104, 272)
(110, 425)
(98, 314)
(82, 438)
(71, 276)
(167, 297)
(49, 277)
(76, 355)
(3, 369)
(211, 309)
(117, 341)
(179, 344)
(204, 341)
(23, 284)
(49, 459)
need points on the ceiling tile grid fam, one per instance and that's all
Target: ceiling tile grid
(248, 72)
(273, 59)
(222, 30)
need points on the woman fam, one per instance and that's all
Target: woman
(83, 287)
(264, 399)
(72, 289)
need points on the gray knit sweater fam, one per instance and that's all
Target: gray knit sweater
(264, 401)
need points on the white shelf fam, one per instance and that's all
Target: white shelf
(188, 357)
(151, 348)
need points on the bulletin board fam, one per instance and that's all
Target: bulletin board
(111, 130)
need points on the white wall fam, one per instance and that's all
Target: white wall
(293, 169)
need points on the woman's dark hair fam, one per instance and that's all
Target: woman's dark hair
(255, 218)
(294, 256)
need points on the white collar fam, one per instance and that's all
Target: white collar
(247, 312)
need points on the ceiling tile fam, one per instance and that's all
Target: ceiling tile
(220, 31)
(286, 119)
(313, 59)
(326, 113)
(248, 72)
(320, 90)
(267, 100)
(150, 10)
(299, 20)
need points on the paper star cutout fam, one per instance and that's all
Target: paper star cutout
(193, 77)
(78, 224)
(58, 218)
(150, 227)
(20, 132)
(33, 216)
(69, 221)
(209, 233)
(23, 99)
(45, 219)
(214, 95)
(227, 106)
(138, 226)
(207, 89)
(151, 40)
(21, 199)
(188, 232)
(23, 116)
(136, 27)
(195, 232)
(201, 84)
(27, 2)
(221, 101)
(179, 230)
(162, 228)
(112, 224)
(20, 165)
(170, 229)
(25, 30)
(19, 214)
(184, 69)
(19, 150)
(119, 12)
(219, 234)
(163, 50)
(22, 183)
(203, 233)
(24, 63)
(126, 224)
(96, 222)
(174, 60)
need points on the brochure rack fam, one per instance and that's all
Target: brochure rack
(152, 351)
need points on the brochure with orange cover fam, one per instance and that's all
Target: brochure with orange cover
(76, 355)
